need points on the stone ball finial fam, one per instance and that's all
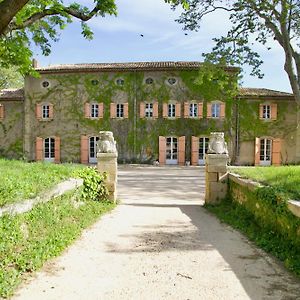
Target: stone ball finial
(217, 144)
(106, 143)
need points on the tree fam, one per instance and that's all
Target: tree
(263, 20)
(10, 78)
(25, 21)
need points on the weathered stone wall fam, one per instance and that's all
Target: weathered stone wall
(11, 129)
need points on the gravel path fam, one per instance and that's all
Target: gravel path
(160, 243)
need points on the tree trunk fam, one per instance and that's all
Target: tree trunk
(8, 9)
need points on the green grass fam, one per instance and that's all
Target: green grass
(30, 239)
(285, 178)
(20, 180)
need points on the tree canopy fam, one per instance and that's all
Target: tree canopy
(253, 21)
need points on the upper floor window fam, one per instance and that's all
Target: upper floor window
(149, 80)
(120, 110)
(46, 111)
(45, 84)
(171, 110)
(172, 80)
(120, 81)
(94, 110)
(193, 110)
(215, 110)
(149, 110)
(266, 112)
(94, 82)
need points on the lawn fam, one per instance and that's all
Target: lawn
(20, 180)
(284, 178)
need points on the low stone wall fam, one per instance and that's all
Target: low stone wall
(269, 208)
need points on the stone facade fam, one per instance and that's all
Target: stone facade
(154, 110)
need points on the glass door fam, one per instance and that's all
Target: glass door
(265, 152)
(49, 149)
(93, 149)
(171, 151)
(203, 147)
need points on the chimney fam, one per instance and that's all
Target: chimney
(35, 63)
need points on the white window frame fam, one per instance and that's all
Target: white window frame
(120, 110)
(203, 150)
(94, 110)
(193, 110)
(171, 110)
(266, 112)
(216, 110)
(265, 152)
(172, 150)
(93, 149)
(45, 111)
(148, 110)
(49, 149)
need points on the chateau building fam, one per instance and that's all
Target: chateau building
(155, 111)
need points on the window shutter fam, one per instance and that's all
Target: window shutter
(50, 111)
(276, 152)
(142, 110)
(113, 112)
(39, 149)
(1, 111)
(125, 110)
(38, 111)
(222, 110)
(165, 110)
(181, 150)
(261, 111)
(200, 110)
(194, 151)
(186, 109)
(84, 149)
(178, 110)
(162, 150)
(57, 150)
(274, 111)
(257, 152)
(87, 110)
(208, 113)
(155, 110)
(100, 110)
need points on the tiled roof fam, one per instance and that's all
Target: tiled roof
(12, 94)
(128, 66)
(261, 92)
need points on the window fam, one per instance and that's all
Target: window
(46, 111)
(45, 84)
(49, 149)
(172, 80)
(149, 80)
(120, 110)
(120, 81)
(93, 149)
(171, 150)
(149, 110)
(265, 151)
(94, 82)
(171, 110)
(266, 112)
(215, 110)
(193, 110)
(94, 110)
(203, 148)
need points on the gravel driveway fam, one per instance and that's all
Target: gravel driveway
(160, 243)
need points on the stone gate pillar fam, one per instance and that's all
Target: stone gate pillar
(215, 168)
(107, 156)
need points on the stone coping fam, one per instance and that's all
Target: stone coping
(27, 205)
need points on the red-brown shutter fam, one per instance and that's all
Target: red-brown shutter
(162, 150)
(200, 110)
(50, 111)
(261, 111)
(186, 109)
(100, 110)
(165, 110)
(276, 152)
(155, 110)
(125, 110)
(57, 150)
(178, 110)
(194, 151)
(257, 152)
(222, 110)
(38, 111)
(208, 113)
(274, 111)
(113, 111)
(181, 150)
(87, 110)
(1, 111)
(142, 110)
(84, 149)
(39, 149)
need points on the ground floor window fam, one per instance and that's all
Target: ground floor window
(203, 148)
(93, 149)
(171, 150)
(49, 149)
(265, 152)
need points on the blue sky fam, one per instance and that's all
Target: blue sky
(117, 39)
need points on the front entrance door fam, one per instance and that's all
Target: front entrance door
(203, 147)
(265, 152)
(171, 151)
(93, 149)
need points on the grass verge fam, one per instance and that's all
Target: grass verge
(284, 178)
(272, 242)
(20, 180)
(30, 239)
